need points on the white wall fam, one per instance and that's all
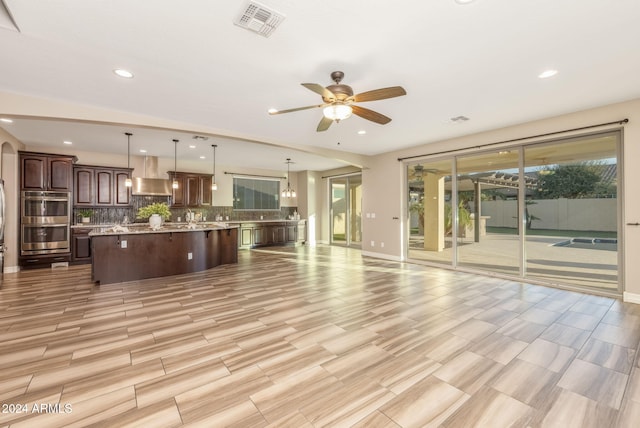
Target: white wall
(556, 214)
(9, 147)
(385, 192)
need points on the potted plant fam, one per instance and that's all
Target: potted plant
(86, 215)
(156, 213)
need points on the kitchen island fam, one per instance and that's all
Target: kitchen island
(131, 253)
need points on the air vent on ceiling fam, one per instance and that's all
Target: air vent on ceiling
(259, 18)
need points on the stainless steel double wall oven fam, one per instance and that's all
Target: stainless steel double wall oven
(45, 222)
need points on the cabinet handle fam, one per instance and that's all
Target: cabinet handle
(633, 224)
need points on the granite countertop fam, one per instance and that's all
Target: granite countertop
(141, 228)
(264, 221)
(175, 223)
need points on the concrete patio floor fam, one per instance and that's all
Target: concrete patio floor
(499, 253)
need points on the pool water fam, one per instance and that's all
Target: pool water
(609, 244)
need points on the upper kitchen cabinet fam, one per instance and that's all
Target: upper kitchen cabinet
(193, 190)
(100, 186)
(42, 171)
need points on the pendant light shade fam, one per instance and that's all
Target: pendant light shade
(214, 186)
(128, 182)
(174, 184)
(288, 192)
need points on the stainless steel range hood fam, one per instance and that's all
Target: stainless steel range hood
(150, 184)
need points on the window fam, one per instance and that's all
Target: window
(256, 194)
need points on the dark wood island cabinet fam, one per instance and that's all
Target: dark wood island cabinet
(140, 254)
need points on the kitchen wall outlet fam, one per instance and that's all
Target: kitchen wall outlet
(368, 215)
(373, 215)
(189, 256)
(373, 243)
(123, 244)
(382, 245)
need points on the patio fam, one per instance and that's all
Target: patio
(546, 260)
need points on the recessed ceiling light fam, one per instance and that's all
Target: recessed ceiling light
(68, 143)
(6, 120)
(272, 110)
(123, 73)
(547, 73)
(191, 146)
(362, 132)
(143, 151)
(202, 157)
(463, 1)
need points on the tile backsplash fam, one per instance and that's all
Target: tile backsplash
(112, 215)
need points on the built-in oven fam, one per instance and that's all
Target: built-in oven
(45, 223)
(45, 239)
(45, 207)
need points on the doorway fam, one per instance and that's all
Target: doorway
(346, 210)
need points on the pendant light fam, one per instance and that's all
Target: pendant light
(214, 186)
(288, 192)
(127, 182)
(174, 185)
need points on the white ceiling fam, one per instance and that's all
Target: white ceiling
(193, 65)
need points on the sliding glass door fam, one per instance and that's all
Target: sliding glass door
(346, 210)
(488, 191)
(572, 218)
(430, 215)
(547, 212)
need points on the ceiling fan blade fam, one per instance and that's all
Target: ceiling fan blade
(380, 94)
(371, 115)
(295, 109)
(327, 95)
(324, 124)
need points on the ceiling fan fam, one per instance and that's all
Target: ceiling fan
(339, 102)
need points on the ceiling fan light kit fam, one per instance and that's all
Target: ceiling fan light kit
(337, 112)
(338, 102)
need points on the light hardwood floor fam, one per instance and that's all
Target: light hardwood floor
(310, 337)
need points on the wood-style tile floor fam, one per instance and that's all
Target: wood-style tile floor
(312, 337)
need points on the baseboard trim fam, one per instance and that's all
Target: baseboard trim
(11, 269)
(631, 297)
(382, 256)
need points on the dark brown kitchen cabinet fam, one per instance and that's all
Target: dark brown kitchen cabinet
(193, 189)
(80, 245)
(271, 232)
(205, 190)
(104, 187)
(42, 171)
(99, 186)
(83, 185)
(178, 193)
(121, 192)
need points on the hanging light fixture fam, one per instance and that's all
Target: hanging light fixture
(128, 182)
(337, 111)
(288, 192)
(174, 185)
(214, 186)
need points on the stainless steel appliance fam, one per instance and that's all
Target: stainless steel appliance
(2, 222)
(45, 220)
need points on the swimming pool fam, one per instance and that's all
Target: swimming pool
(609, 244)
